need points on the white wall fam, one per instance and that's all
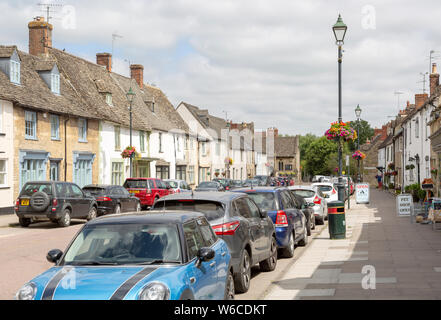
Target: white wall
(7, 149)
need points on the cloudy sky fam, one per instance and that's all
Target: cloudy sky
(273, 62)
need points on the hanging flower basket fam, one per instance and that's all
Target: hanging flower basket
(129, 152)
(391, 166)
(358, 155)
(410, 167)
(434, 171)
(341, 131)
(229, 161)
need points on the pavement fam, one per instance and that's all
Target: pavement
(383, 257)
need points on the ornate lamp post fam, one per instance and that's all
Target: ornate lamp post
(130, 96)
(358, 114)
(339, 30)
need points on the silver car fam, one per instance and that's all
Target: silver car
(178, 186)
(313, 195)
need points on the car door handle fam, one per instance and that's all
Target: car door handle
(223, 254)
(213, 264)
(192, 280)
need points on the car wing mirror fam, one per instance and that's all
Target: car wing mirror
(204, 254)
(263, 214)
(54, 255)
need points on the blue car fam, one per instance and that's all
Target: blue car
(155, 256)
(285, 212)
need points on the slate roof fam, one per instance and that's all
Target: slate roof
(285, 147)
(387, 141)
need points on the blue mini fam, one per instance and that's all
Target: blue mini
(155, 256)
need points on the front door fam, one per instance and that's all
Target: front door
(79, 203)
(55, 170)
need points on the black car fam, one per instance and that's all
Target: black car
(113, 199)
(58, 202)
(210, 186)
(235, 218)
(307, 210)
(263, 180)
(226, 183)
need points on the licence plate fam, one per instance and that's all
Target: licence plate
(134, 191)
(25, 202)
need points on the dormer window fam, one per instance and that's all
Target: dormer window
(109, 99)
(50, 74)
(55, 83)
(15, 72)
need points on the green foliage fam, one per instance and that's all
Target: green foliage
(318, 155)
(365, 133)
(304, 143)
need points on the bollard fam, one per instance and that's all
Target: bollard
(336, 220)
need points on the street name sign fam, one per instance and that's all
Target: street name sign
(362, 193)
(404, 205)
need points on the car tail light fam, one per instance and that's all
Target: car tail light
(281, 219)
(226, 229)
(333, 191)
(103, 199)
(227, 188)
(17, 204)
(54, 202)
(317, 200)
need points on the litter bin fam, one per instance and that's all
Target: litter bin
(336, 220)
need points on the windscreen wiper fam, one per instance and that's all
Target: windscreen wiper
(93, 263)
(157, 261)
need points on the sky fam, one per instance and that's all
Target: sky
(273, 62)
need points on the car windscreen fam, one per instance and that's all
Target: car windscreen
(117, 244)
(208, 185)
(173, 184)
(265, 200)
(136, 184)
(95, 191)
(211, 209)
(304, 193)
(325, 188)
(30, 188)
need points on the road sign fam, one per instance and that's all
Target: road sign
(404, 205)
(362, 192)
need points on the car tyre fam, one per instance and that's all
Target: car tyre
(92, 213)
(229, 287)
(65, 219)
(117, 209)
(313, 223)
(304, 241)
(243, 278)
(138, 207)
(288, 252)
(24, 222)
(270, 263)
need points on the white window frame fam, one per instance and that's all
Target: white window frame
(57, 131)
(160, 142)
(82, 130)
(31, 116)
(1, 118)
(5, 174)
(117, 137)
(55, 83)
(109, 99)
(15, 71)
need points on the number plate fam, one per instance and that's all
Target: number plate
(25, 202)
(134, 191)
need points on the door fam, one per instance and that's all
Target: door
(55, 170)
(264, 227)
(202, 278)
(80, 205)
(294, 214)
(130, 200)
(116, 196)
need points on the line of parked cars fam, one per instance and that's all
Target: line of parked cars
(190, 245)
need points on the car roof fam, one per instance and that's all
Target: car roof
(143, 179)
(211, 196)
(323, 184)
(260, 189)
(103, 186)
(301, 187)
(153, 216)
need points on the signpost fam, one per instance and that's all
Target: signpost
(362, 192)
(405, 205)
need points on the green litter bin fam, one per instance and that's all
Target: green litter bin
(336, 220)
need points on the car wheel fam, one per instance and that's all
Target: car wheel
(270, 263)
(308, 226)
(92, 214)
(304, 241)
(320, 221)
(65, 219)
(24, 222)
(288, 252)
(243, 278)
(117, 209)
(313, 223)
(229, 287)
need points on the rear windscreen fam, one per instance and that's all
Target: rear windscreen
(304, 193)
(95, 191)
(212, 210)
(265, 200)
(31, 188)
(325, 188)
(136, 184)
(173, 184)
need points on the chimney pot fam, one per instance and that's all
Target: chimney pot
(137, 73)
(434, 79)
(104, 59)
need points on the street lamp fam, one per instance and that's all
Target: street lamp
(339, 30)
(130, 95)
(358, 114)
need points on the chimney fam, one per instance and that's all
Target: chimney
(137, 73)
(40, 36)
(407, 104)
(434, 79)
(273, 131)
(104, 59)
(420, 98)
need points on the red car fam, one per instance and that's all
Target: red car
(148, 190)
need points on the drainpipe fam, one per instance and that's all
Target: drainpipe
(65, 148)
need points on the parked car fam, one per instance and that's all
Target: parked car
(178, 185)
(148, 190)
(235, 218)
(263, 180)
(226, 183)
(307, 211)
(328, 189)
(58, 202)
(210, 186)
(313, 195)
(236, 184)
(317, 178)
(251, 183)
(138, 257)
(285, 213)
(113, 199)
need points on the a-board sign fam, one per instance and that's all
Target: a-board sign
(362, 193)
(404, 205)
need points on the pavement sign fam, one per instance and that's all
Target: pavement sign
(362, 192)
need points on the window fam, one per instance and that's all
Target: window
(55, 83)
(3, 173)
(1, 118)
(15, 72)
(83, 172)
(32, 170)
(30, 125)
(410, 132)
(218, 148)
(160, 142)
(417, 128)
(207, 232)
(117, 133)
(142, 141)
(255, 213)
(163, 172)
(280, 165)
(288, 167)
(194, 239)
(55, 127)
(203, 174)
(117, 173)
(109, 99)
(82, 130)
(180, 172)
(242, 208)
(54, 170)
(203, 149)
(191, 174)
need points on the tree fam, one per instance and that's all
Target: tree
(365, 132)
(318, 156)
(304, 142)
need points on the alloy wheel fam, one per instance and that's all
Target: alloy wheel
(246, 270)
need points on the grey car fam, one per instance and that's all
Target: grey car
(235, 218)
(178, 185)
(210, 186)
(313, 195)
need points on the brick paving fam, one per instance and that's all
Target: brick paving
(406, 259)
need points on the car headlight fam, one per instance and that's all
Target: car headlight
(27, 292)
(155, 291)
